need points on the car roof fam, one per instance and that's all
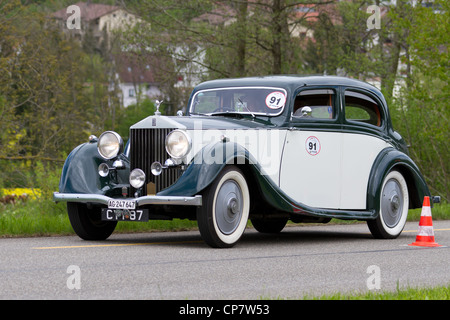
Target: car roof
(291, 82)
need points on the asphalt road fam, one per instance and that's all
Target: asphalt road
(166, 265)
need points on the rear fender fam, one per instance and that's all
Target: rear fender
(391, 159)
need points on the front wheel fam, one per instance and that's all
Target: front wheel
(87, 223)
(223, 216)
(394, 202)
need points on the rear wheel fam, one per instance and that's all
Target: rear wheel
(394, 202)
(269, 225)
(223, 216)
(87, 223)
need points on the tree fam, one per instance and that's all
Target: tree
(48, 101)
(422, 110)
(226, 38)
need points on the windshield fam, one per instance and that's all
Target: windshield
(250, 100)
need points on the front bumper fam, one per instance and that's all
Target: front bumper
(140, 201)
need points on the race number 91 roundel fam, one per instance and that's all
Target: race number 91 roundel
(313, 146)
(275, 100)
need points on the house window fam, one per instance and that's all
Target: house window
(131, 93)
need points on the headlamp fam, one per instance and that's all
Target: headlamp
(178, 144)
(110, 144)
(137, 178)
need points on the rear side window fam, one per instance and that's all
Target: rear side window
(315, 104)
(360, 107)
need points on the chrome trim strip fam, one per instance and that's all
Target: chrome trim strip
(141, 201)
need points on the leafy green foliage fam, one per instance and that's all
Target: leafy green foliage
(133, 114)
(53, 95)
(422, 111)
(55, 92)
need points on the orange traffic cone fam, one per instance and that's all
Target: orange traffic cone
(425, 237)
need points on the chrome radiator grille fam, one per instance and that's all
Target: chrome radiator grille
(146, 147)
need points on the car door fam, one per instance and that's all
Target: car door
(311, 161)
(364, 136)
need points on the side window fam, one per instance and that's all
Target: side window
(315, 104)
(361, 108)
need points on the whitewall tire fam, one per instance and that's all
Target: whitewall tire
(223, 216)
(394, 204)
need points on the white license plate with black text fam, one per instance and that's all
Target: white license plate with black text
(122, 204)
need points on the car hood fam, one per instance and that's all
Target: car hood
(201, 122)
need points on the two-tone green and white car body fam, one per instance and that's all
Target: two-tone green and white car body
(268, 149)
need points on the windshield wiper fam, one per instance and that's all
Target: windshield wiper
(226, 113)
(245, 106)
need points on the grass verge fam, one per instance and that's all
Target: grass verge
(45, 218)
(426, 293)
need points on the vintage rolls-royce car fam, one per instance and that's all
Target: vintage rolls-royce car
(269, 149)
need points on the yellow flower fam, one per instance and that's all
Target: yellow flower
(32, 193)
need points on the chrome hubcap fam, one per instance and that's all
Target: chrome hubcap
(392, 203)
(233, 205)
(228, 208)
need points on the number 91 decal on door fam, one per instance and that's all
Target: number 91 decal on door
(313, 146)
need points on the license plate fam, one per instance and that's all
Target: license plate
(121, 204)
(124, 215)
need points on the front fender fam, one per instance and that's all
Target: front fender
(392, 159)
(205, 167)
(80, 172)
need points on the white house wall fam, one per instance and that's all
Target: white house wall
(151, 93)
